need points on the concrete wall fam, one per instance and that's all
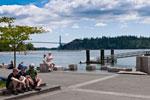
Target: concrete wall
(143, 64)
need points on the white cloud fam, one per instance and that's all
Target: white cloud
(75, 26)
(66, 34)
(146, 21)
(124, 25)
(101, 24)
(100, 9)
(3, 24)
(33, 16)
(61, 12)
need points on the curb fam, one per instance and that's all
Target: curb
(7, 92)
(46, 90)
(132, 73)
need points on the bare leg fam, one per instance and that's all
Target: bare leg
(23, 79)
(27, 82)
(39, 81)
(50, 67)
(15, 85)
(31, 81)
(20, 86)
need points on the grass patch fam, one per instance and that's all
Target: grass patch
(2, 84)
(97, 68)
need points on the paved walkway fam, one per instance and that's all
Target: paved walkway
(88, 86)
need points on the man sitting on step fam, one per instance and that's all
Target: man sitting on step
(33, 78)
(14, 80)
(24, 74)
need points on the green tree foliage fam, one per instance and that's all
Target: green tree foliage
(4, 46)
(120, 42)
(29, 46)
(13, 35)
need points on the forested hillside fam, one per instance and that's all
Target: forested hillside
(120, 42)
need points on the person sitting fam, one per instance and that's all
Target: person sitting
(11, 65)
(49, 61)
(23, 73)
(3, 65)
(20, 65)
(33, 77)
(44, 59)
(14, 80)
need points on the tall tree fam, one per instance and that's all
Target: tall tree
(15, 34)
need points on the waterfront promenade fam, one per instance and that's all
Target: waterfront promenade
(89, 85)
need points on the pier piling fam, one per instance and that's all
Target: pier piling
(88, 57)
(102, 56)
(112, 56)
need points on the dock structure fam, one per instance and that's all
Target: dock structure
(112, 58)
(88, 56)
(102, 56)
(129, 54)
(102, 59)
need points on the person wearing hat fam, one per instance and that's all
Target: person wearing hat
(49, 61)
(23, 73)
(20, 65)
(14, 80)
(33, 78)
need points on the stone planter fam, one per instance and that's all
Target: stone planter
(90, 67)
(73, 67)
(117, 69)
(126, 69)
(104, 68)
(114, 69)
(44, 68)
(59, 68)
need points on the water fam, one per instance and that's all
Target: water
(64, 58)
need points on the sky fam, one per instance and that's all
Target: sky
(78, 19)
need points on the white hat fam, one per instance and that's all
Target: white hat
(32, 65)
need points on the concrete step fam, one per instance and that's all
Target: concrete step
(32, 93)
(132, 73)
(7, 92)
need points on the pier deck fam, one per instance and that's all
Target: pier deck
(89, 85)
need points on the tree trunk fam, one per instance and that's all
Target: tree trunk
(14, 56)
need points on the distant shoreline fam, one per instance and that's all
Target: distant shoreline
(39, 51)
(11, 52)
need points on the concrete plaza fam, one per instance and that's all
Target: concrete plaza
(89, 85)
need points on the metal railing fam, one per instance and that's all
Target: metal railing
(128, 54)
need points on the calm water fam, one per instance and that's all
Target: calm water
(64, 58)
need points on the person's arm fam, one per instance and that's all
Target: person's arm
(44, 61)
(27, 74)
(22, 78)
(51, 58)
(15, 79)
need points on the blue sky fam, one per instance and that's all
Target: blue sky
(80, 18)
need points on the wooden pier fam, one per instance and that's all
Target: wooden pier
(112, 58)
